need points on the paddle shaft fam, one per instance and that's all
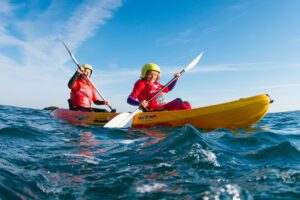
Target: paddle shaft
(76, 63)
(166, 85)
(125, 119)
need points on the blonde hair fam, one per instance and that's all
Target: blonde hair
(158, 74)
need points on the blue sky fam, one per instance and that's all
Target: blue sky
(250, 47)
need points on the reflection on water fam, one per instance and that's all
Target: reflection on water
(44, 158)
(88, 145)
(154, 135)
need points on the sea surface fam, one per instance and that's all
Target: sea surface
(45, 158)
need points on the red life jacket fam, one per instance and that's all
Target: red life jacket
(82, 93)
(144, 90)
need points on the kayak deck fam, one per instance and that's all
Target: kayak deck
(241, 113)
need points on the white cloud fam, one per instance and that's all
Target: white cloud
(170, 70)
(7, 8)
(244, 67)
(8, 40)
(280, 86)
(87, 18)
(36, 74)
(41, 57)
(181, 38)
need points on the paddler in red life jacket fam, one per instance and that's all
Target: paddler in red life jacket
(148, 86)
(83, 94)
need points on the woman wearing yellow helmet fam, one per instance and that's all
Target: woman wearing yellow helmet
(148, 86)
(83, 94)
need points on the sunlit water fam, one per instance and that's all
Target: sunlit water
(46, 158)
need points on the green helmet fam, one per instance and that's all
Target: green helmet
(87, 66)
(148, 67)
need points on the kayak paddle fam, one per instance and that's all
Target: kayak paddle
(124, 120)
(75, 61)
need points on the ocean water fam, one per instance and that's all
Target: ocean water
(46, 158)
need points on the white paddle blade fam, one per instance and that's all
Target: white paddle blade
(114, 122)
(128, 122)
(123, 120)
(74, 59)
(194, 62)
(72, 56)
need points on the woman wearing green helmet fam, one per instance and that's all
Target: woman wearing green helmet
(148, 86)
(83, 94)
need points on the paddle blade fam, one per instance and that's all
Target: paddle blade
(194, 62)
(114, 123)
(123, 120)
(72, 56)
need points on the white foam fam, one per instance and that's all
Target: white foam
(211, 157)
(88, 159)
(164, 165)
(150, 187)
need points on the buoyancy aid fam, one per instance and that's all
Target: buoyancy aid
(82, 93)
(144, 90)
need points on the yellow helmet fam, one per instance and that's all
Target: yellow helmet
(147, 67)
(87, 66)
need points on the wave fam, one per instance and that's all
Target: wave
(20, 132)
(284, 152)
(186, 145)
(42, 157)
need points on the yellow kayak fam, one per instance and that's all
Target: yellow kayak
(241, 113)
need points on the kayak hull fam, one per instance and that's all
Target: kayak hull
(241, 113)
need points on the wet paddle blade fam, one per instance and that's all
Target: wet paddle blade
(123, 120)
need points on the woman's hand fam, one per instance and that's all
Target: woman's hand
(107, 103)
(80, 71)
(145, 104)
(177, 75)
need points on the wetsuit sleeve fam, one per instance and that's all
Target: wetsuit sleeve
(134, 94)
(98, 102)
(94, 97)
(132, 101)
(73, 79)
(170, 87)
